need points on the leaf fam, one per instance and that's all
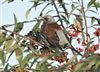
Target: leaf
(10, 55)
(6, 68)
(19, 27)
(36, 27)
(93, 11)
(2, 56)
(64, 18)
(91, 63)
(90, 3)
(48, 12)
(26, 59)
(8, 43)
(73, 8)
(78, 24)
(35, 60)
(61, 1)
(98, 20)
(42, 68)
(97, 65)
(92, 20)
(89, 43)
(27, 12)
(9, 1)
(64, 8)
(15, 21)
(19, 54)
(43, 9)
(78, 67)
(36, 3)
(2, 38)
(96, 5)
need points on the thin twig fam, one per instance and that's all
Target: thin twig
(58, 14)
(74, 14)
(28, 38)
(72, 48)
(85, 21)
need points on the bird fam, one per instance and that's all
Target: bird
(53, 33)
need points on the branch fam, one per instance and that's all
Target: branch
(28, 38)
(58, 14)
(8, 25)
(74, 14)
(85, 21)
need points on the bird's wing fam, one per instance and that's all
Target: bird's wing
(62, 38)
(49, 32)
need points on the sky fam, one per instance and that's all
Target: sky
(19, 9)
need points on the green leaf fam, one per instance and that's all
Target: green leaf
(8, 43)
(98, 20)
(15, 21)
(97, 65)
(9, 1)
(90, 3)
(41, 68)
(78, 67)
(10, 54)
(26, 59)
(35, 60)
(18, 26)
(61, 1)
(93, 11)
(89, 43)
(96, 5)
(43, 9)
(36, 27)
(19, 54)
(27, 13)
(5, 68)
(2, 38)
(64, 18)
(64, 8)
(48, 12)
(2, 56)
(73, 7)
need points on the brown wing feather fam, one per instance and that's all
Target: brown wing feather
(49, 32)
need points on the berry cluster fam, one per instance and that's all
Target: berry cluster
(97, 32)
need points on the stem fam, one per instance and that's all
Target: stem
(85, 21)
(58, 14)
(99, 43)
(72, 48)
(8, 25)
(28, 38)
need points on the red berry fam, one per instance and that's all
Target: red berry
(78, 40)
(80, 49)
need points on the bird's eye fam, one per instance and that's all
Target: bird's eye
(46, 18)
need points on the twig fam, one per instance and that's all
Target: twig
(8, 25)
(58, 14)
(85, 21)
(73, 14)
(28, 38)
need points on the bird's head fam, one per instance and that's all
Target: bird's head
(48, 19)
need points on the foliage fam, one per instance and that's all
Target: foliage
(33, 52)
